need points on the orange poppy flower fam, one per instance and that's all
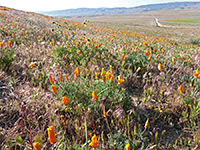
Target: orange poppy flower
(147, 52)
(123, 56)
(9, 44)
(97, 76)
(138, 69)
(127, 146)
(104, 114)
(66, 77)
(76, 72)
(50, 79)
(36, 146)
(51, 134)
(32, 65)
(196, 73)
(173, 59)
(120, 80)
(76, 44)
(54, 89)
(51, 43)
(103, 80)
(82, 43)
(160, 67)
(102, 72)
(1, 44)
(157, 55)
(146, 123)
(94, 95)
(111, 69)
(94, 141)
(149, 58)
(78, 52)
(65, 100)
(88, 71)
(84, 111)
(146, 44)
(181, 89)
(112, 77)
(100, 44)
(60, 78)
(91, 134)
(108, 75)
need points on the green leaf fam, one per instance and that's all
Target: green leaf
(19, 140)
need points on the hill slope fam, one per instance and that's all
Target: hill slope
(123, 10)
(63, 83)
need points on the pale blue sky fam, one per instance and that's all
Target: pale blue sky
(49, 5)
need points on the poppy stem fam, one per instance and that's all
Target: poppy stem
(64, 135)
(86, 133)
(107, 123)
(103, 90)
(61, 86)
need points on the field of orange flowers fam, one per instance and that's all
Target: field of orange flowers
(69, 85)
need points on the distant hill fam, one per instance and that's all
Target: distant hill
(122, 10)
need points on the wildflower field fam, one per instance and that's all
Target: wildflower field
(186, 20)
(70, 85)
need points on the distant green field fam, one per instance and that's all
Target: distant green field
(185, 20)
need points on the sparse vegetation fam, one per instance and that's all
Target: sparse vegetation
(71, 85)
(195, 41)
(185, 20)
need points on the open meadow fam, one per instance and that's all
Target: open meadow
(99, 82)
(145, 23)
(185, 20)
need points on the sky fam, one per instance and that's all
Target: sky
(50, 5)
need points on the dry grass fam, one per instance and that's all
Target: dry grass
(144, 23)
(118, 116)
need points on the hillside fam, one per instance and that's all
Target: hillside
(122, 11)
(68, 85)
